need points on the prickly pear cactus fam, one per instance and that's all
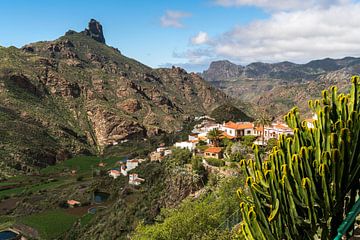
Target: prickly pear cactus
(308, 181)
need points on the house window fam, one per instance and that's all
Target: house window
(248, 132)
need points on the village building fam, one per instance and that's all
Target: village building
(156, 156)
(238, 129)
(135, 180)
(167, 152)
(73, 203)
(213, 152)
(123, 170)
(190, 145)
(276, 129)
(310, 121)
(114, 173)
(131, 164)
(160, 149)
(193, 137)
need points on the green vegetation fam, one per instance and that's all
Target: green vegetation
(215, 162)
(309, 182)
(50, 224)
(261, 121)
(203, 218)
(197, 166)
(82, 164)
(228, 112)
(179, 156)
(214, 136)
(33, 188)
(248, 140)
(272, 142)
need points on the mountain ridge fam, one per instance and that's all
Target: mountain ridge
(281, 86)
(76, 95)
(275, 70)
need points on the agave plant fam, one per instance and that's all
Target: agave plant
(303, 189)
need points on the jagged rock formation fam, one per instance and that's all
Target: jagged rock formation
(280, 86)
(77, 94)
(95, 31)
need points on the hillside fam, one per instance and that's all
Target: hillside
(280, 86)
(76, 95)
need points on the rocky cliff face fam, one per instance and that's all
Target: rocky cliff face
(281, 86)
(77, 94)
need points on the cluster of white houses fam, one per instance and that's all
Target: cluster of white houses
(234, 130)
(125, 167)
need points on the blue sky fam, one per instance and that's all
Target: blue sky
(162, 33)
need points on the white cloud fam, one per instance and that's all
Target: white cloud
(173, 19)
(200, 38)
(297, 36)
(281, 4)
(195, 56)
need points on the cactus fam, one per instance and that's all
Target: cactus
(304, 187)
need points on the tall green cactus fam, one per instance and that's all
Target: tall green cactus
(308, 182)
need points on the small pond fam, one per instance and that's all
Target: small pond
(100, 197)
(94, 210)
(8, 235)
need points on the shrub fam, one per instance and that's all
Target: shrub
(197, 166)
(272, 142)
(80, 178)
(181, 156)
(215, 162)
(248, 140)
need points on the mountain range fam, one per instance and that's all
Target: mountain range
(77, 95)
(281, 86)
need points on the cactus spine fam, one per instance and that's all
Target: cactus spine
(300, 191)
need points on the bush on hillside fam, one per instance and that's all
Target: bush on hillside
(228, 112)
(215, 162)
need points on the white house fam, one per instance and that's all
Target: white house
(276, 129)
(310, 121)
(123, 170)
(186, 145)
(160, 149)
(114, 173)
(135, 180)
(167, 152)
(131, 164)
(238, 129)
(193, 136)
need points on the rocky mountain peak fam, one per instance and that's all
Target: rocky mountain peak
(223, 69)
(95, 31)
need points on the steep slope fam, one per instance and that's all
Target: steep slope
(76, 95)
(281, 86)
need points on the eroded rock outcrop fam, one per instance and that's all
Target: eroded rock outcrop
(95, 31)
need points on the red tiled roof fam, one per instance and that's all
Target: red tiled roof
(282, 126)
(225, 135)
(133, 160)
(72, 202)
(214, 150)
(115, 171)
(239, 126)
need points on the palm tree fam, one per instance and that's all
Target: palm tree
(214, 136)
(263, 120)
